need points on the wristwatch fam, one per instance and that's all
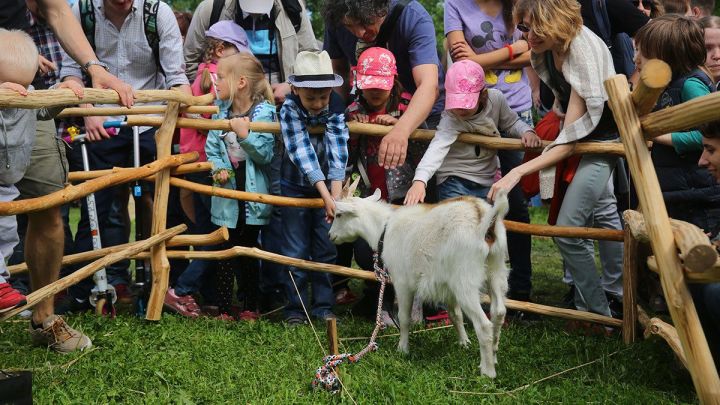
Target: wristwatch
(86, 66)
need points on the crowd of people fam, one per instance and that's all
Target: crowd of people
(526, 69)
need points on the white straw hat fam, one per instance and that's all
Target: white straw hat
(314, 70)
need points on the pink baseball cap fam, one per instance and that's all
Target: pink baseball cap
(463, 83)
(376, 69)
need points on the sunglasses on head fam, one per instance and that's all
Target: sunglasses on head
(646, 3)
(523, 28)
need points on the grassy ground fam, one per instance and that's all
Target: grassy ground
(207, 361)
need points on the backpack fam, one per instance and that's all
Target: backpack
(293, 9)
(150, 11)
(620, 45)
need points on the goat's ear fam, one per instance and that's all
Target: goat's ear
(377, 195)
(342, 207)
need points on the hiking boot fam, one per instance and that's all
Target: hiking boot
(10, 298)
(56, 334)
(183, 305)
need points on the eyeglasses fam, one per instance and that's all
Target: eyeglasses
(648, 4)
(523, 28)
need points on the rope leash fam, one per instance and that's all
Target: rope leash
(325, 375)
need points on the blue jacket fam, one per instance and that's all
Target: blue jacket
(259, 149)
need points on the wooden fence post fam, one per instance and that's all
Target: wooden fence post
(158, 259)
(680, 303)
(630, 271)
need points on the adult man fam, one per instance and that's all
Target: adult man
(44, 239)
(277, 31)
(355, 25)
(121, 41)
(701, 8)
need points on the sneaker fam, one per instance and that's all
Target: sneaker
(123, 294)
(295, 321)
(56, 334)
(10, 298)
(441, 318)
(70, 305)
(248, 316)
(345, 296)
(211, 310)
(183, 305)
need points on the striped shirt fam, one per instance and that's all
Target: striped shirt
(127, 52)
(312, 158)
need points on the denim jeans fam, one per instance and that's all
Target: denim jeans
(272, 275)
(455, 186)
(305, 236)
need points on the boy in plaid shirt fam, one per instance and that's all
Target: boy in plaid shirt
(309, 163)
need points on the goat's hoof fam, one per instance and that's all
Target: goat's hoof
(464, 343)
(403, 349)
(488, 371)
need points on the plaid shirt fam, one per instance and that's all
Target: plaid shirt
(312, 156)
(49, 47)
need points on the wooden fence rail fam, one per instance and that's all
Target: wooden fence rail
(141, 109)
(66, 97)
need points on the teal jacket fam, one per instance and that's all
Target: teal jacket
(259, 149)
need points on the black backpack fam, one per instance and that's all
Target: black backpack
(292, 8)
(620, 45)
(150, 11)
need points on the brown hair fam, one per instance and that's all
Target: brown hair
(393, 101)
(676, 6)
(657, 9)
(211, 46)
(711, 21)
(183, 19)
(676, 40)
(557, 20)
(707, 6)
(246, 65)
(711, 130)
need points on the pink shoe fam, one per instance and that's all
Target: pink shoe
(225, 317)
(249, 316)
(183, 305)
(10, 298)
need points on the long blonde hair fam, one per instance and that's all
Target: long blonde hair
(246, 65)
(557, 20)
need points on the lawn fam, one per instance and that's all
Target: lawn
(207, 361)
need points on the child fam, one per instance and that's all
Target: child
(380, 99)
(689, 191)
(464, 169)
(711, 28)
(18, 65)
(240, 160)
(308, 164)
(224, 38)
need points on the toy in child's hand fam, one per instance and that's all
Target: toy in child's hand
(221, 176)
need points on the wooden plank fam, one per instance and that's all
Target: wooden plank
(62, 97)
(490, 142)
(158, 261)
(680, 303)
(72, 279)
(74, 192)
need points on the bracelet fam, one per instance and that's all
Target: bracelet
(511, 55)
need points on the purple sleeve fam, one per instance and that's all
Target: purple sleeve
(452, 18)
(420, 31)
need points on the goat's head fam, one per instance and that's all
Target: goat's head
(349, 219)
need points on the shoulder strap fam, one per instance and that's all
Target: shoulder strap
(602, 20)
(217, 9)
(150, 12)
(87, 20)
(293, 9)
(388, 26)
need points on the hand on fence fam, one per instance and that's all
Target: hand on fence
(386, 119)
(531, 140)
(393, 149)
(76, 87)
(14, 86)
(416, 194)
(241, 126)
(361, 118)
(102, 79)
(94, 129)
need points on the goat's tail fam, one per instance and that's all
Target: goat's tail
(491, 224)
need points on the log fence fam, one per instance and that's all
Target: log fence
(681, 252)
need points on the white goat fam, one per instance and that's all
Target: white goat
(445, 253)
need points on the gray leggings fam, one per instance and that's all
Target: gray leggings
(588, 195)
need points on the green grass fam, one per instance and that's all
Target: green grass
(206, 361)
